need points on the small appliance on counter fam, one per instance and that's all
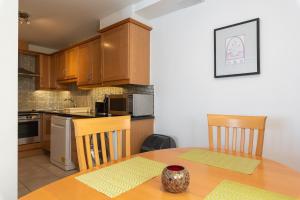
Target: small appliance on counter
(101, 108)
(136, 105)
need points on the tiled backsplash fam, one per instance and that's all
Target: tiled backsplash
(30, 99)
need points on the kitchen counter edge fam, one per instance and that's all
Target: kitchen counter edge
(84, 115)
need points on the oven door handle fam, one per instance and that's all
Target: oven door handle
(29, 120)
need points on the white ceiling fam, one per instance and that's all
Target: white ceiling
(58, 23)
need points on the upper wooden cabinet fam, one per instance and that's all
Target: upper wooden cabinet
(67, 64)
(61, 65)
(89, 65)
(125, 50)
(43, 69)
(71, 63)
(120, 56)
(56, 71)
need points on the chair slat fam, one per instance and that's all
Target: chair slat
(128, 150)
(96, 152)
(219, 138)
(111, 146)
(80, 153)
(234, 136)
(88, 151)
(103, 147)
(251, 137)
(211, 138)
(226, 139)
(260, 142)
(242, 145)
(119, 140)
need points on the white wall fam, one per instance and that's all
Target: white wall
(182, 72)
(8, 100)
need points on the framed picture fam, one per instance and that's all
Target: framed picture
(236, 49)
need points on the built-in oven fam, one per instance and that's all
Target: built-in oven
(29, 128)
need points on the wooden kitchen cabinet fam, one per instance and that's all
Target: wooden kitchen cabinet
(140, 130)
(71, 56)
(67, 64)
(125, 50)
(43, 69)
(46, 131)
(55, 72)
(89, 65)
(61, 65)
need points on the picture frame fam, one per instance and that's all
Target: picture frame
(237, 49)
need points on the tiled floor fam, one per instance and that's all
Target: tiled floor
(37, 171)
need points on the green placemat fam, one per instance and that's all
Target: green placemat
(222, 160)
(121, 177)
(229, 190)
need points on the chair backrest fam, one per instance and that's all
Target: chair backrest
(88, 131)
(238, 124)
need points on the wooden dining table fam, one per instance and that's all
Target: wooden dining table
(269, 175)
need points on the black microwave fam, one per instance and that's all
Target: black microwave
(135, 105)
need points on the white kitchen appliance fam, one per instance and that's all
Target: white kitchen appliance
(60, 145)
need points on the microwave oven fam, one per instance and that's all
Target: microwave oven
(136, 105)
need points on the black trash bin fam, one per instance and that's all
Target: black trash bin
(156, 142)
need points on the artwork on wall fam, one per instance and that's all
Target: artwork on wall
(236, 50)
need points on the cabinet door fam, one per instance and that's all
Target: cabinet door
(61, 62)
(89, 68)
(55, 72)
(44, 72)
(115, 51)
(46, 131)
(85, 65)
(67, 63)
(71, 63)
(95, 52)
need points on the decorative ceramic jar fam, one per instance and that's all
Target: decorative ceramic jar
(175, 178)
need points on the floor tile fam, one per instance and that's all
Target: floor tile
(57, 171)
(22, 190)
(36, 183)
(37, 171)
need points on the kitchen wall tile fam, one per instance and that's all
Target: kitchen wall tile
(31, 99)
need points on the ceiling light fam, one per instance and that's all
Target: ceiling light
(24, 17)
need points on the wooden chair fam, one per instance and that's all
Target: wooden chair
(235, 123)
(86, 131)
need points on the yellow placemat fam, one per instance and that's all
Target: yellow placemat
(222, 160)
(230, 190)
(121, 177)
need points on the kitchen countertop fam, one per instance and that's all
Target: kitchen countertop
(84, 114)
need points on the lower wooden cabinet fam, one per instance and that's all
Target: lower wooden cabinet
(140, 130)
(27, 150)
(46, 131)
